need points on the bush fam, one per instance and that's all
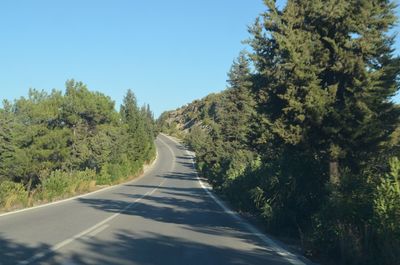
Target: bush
(117, 173)
(104, 177)
(12, 194)
(387, 200)
(360, 223)
(60, 184)
(387, 214)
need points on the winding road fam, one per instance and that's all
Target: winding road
(167, 216)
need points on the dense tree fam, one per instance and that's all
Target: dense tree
(238, 110)
(325, 81)
(136, 120)
(55, 144)
(327, 77)
(6, 141)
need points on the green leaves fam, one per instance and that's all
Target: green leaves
(325, 77)
(50, 142)
(387, 199)
(140, 129)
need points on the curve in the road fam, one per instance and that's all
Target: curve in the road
(169, 216)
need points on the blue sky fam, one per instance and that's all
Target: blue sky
(168, 52)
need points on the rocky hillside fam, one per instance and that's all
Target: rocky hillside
(197, 113)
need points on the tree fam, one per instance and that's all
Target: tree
(139, 129)
(54, 144)
(6, 141)
(327, 74)
(237, 106)
(85, 113)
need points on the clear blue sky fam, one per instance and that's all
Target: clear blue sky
(168, 52)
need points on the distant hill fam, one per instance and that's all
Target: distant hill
(201, 113)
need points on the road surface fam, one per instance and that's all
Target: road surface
(165, 217)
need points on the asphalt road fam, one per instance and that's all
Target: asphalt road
(164, 217)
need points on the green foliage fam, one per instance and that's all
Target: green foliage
(140, 129)
(60, 184)
(324, 82)
(6, 144)
(12, 194)
(387, 199)
(196, 138)
(326, 78)
(55, 145)
(387, 214)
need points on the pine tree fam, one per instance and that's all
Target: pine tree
(6, 141)
(237, 105)
(131, 116)
(326, 77)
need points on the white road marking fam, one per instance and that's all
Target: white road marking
(87, 231)
(97, 228)
(97, 231)
(293, 259)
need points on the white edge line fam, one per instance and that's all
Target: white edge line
(292, 258)
(87, 231)
(145, 171)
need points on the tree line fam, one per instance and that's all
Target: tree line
(56, 144)
(306, 136)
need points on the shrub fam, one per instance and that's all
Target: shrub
(61, 184)
(104, 177)
(12, 194)
(387, 213)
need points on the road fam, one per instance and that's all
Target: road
(164, 217)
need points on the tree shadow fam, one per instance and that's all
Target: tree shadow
(186, 164)
(190, 208)
(12, 252)
(181, 176)
(187, 207)
(150, 249)
(184, 157)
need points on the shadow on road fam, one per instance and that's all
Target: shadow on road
(179, 176)
(190, 209)
(150, 249)
(13, 252)
(201, 232)
(174, 205)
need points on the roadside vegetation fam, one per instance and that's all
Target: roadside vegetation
(306, 136)
(55, 145)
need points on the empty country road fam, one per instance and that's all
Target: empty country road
(164, 217)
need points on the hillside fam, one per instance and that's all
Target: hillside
(197, 113)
